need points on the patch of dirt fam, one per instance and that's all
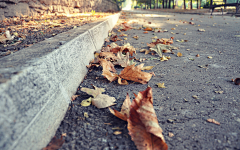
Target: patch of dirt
(30, 30)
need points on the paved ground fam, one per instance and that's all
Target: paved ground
(178, 112)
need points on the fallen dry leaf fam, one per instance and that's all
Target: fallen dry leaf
(219, 92)
(197, 55)
(128, 48)
(145, 32)
(201, 30)
(161, 85)
(164, 58)
(237, 81)
(168, 57)
(114, 38)
(213, 121)
(158, 49)
(113, 45)
(6, 36)
(55, 144)
(106, 49)
(155, 37)
(125, 27)
(147, 67)
(107, 39)
(191, 23)
(151, 45)
(166, 51)
(210, 57)
(115, 50)
(173, 28)
(107, 65)
(148, 29)
(103, 101)
(74, 97)
(124, 113)
(135, 74)
(85, 115)
(195, 96)
(179, 54)
(143, 124)
(122, 60)
(86, 102)
(108, 55)
(94, 92)
(170, 134)
(117, 132)
(122, 82)
(123, 35)
(100, 100)
(109, 75)
(117, 128)
(136, 37)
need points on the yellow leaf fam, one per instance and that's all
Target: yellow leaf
(161, 85)
(125, 38)
(210, 57)
(168, 57)
(155, 37)
(136, 37)
(147, 67)
(163, 58)
(173, 29)
(179, 54)
(117, 132)
(85, 115)
(86, 102)
(195, 96)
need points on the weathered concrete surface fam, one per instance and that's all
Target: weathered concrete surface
(12, 8)
(38, 82)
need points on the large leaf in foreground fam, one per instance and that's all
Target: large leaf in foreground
(124, 113)
(143, 125)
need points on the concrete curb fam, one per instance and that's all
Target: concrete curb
(37, 84)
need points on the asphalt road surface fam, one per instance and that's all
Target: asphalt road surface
(197, 88)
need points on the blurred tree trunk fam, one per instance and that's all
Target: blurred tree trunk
(191, 4)
(163, 4)
(169, 4)
(184, 4)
